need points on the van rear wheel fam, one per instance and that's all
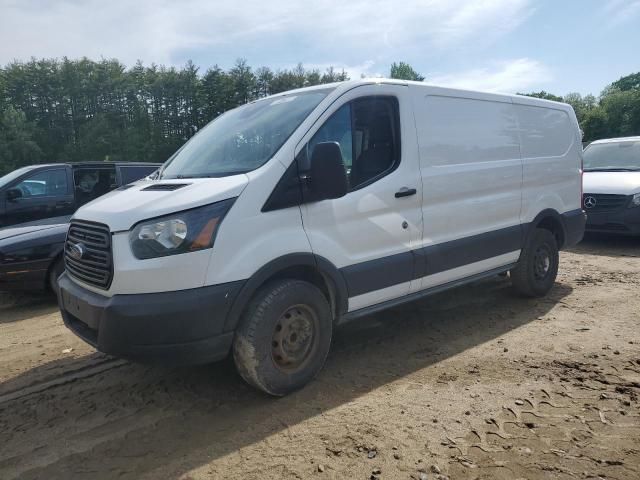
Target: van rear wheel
(537, 269)
(284, 337)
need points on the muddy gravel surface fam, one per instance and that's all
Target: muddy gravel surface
(474, 383)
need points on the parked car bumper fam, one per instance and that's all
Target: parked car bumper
(24, 276)
(178, 328)
(624, 221)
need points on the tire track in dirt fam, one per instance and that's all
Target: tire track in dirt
(64, 378)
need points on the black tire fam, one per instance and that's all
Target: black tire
(537, 268)
(54, 272)
(284, 337)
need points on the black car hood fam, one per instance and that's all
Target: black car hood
(21, 230)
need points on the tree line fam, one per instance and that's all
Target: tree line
(615, 113)
(83, 110)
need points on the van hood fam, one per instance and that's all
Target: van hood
(128, 205)
(621, 183)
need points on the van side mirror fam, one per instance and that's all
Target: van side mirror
(328, 177)
(13, 194)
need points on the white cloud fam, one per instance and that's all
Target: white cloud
(517, 75)
(493, 18)
(617, 12)
(163, 30)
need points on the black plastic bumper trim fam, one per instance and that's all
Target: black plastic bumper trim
(179, 328)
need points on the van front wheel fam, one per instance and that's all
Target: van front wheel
(537, 269)
(284, 337)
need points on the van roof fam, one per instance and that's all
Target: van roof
(617, 140)
(349, 84)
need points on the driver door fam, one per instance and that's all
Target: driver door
(43, 194)
(369, 234)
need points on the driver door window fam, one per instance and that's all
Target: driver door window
(367, 131)
(49, 183)
(43, 194)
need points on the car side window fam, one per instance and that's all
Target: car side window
(47, 183)
(91, 183)
(368, 133)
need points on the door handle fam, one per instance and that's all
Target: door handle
(405, 192)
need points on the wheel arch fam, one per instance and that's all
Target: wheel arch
(302, 266)
(552, 221)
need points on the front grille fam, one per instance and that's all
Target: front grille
(603, 202)
(615, 227)
(95, 265)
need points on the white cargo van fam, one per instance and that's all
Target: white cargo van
(297, 212)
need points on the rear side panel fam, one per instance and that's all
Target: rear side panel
(552, 159)
(472, 178)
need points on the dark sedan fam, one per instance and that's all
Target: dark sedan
(31, 255)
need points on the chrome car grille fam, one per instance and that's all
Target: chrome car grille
(87, 253)
(602, 202)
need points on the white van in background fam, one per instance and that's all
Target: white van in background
(297, 212)
(612, 185)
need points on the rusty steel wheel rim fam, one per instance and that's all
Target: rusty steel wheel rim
(294, 337)
(541, 262)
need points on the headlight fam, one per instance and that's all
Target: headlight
(635, 201)
(180, 232)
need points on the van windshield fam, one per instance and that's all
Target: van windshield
(244, 138)
(615, 156)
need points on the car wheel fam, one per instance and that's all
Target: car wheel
(537, 268)
(54, 272)
(284, 337)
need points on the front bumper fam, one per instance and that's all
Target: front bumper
(178, 328)
(625, 221)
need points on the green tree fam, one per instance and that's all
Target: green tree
(264, 78)
(623, 112)
(581, 105)
(331, 76)
(543, 95)
(595, 125)
(244, 82)
(17, 145)
(404, 71)
(629, 82)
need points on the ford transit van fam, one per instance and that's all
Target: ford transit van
(292, 214)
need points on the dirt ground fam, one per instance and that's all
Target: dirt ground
(472, 383)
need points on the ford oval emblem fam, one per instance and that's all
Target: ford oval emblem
(76, 251)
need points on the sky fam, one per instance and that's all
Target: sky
(496, 45)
